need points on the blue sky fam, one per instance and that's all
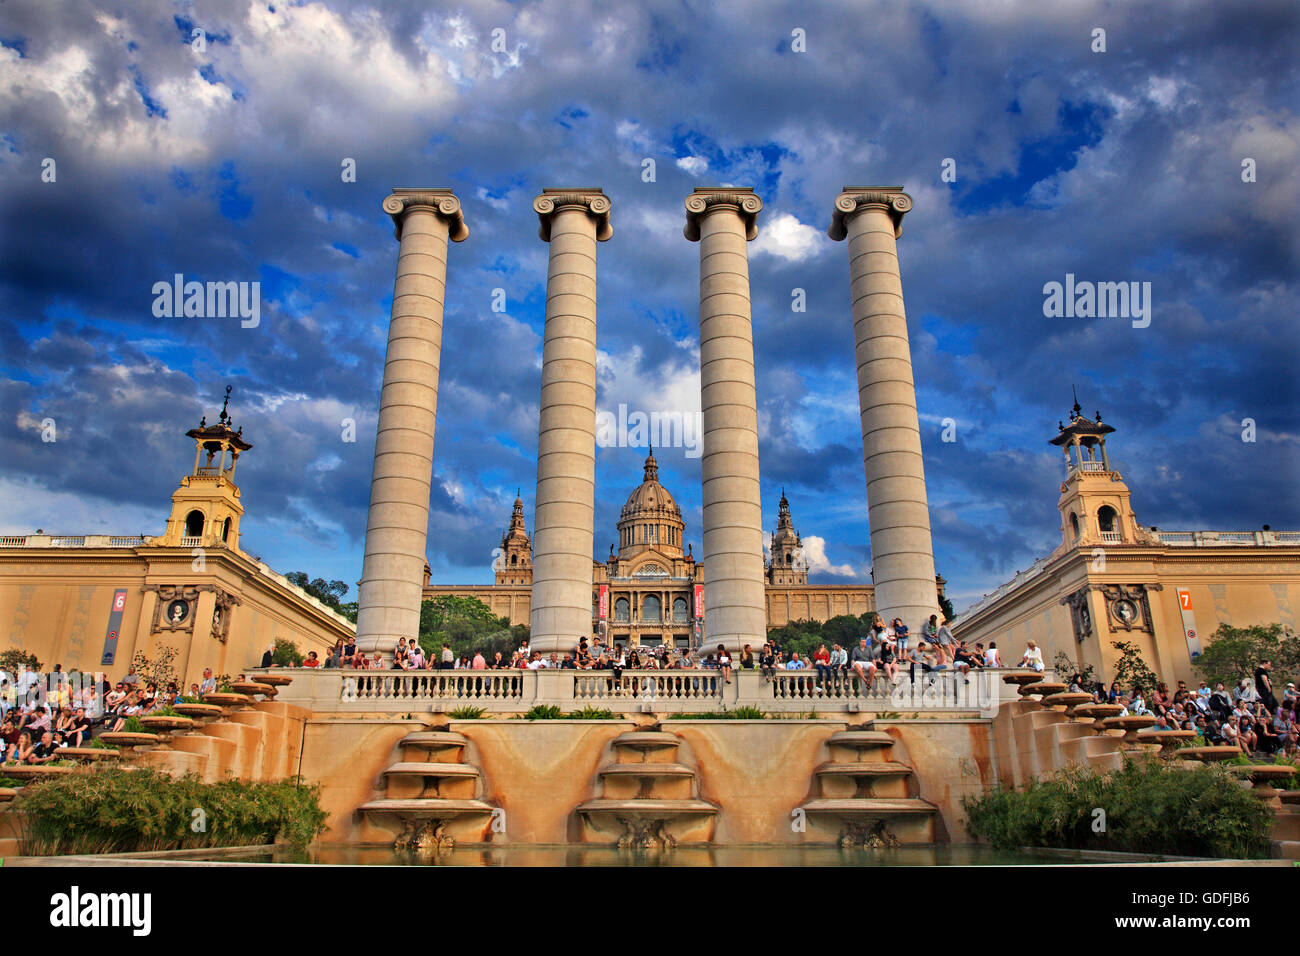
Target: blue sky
(224, 164)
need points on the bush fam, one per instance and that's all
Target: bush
(466, 712)
(115, 810)
(286, 653)
(740, 713)
(1233, 653)
(9, 783)
(1149, 809)
(592, 713)
(13, 660)
(544, 712)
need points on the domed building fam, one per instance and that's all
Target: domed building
(650, 588)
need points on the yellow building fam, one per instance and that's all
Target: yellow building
(650, 589)
(90, 602)
(1111, 579)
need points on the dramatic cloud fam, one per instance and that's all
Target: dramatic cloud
(254, 142)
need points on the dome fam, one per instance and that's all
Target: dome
(650, 496)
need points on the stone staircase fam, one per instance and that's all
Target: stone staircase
(871, 797)
(235, 733)
(647, 796)
(432, 795)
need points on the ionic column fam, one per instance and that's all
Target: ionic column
(572, 221)
(722, 220)
(902, 555)
(393, 569)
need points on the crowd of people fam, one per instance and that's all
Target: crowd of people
(42, 713)
(1249, 716)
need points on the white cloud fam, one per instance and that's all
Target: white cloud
(693, 165)
(785, 236)
(814, 552)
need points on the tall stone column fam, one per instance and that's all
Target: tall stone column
(393, 570)
(902, 554)
(722, 220)
(572, 221)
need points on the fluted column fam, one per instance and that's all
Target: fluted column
(722, 220)
(572, 221)
(393, 570)
(902, 554)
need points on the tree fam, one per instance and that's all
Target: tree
(466, 624)
(1234, 652)
(946, 607)
(13, 660)
(286, 653)
(328, 593)
(1131, 670)
(159, 671)
(1069, 671)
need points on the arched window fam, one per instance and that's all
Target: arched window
(620, 609)
(679, 609)
(650, 609)
(225, 530)
(1074, 525)
(514, 559)
(1106, 518)
(194, 524)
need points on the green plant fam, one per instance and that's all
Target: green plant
(15, 659)
(592, 713)
(466, 712)
(160, 671)
(740, 713)
(1233, 653)
(97, 744)
(1132, 670)
(544, 712)
(132, 725)
(286, 654)
(115, 810)
(1148, 808)
(9, 783)
(1068, 671)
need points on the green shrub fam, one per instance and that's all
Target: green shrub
(1148, 809)
(97, 744)
(544, 712)
(9, 783)
(114, 810)
(592, 713)
(466, 712)
(740, 713)
(286, 653)
(133, 726)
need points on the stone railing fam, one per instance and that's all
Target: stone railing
(788, 693)
(1216, 539)
(72, 541)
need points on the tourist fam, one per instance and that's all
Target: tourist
(746, 658)
(839, 662)
(930, 631)
(1246, 692)
(209, 684)
(889, 655)
(900, 637)
(946, 642)
(963, 659)
(618, 663)
(860, 663)
(794, 663)
(1033, 657)
(130, 680)
(43, 752)
(312, 660)
(1264, 685)
(21, 751)
(822, 661)
(767, 662)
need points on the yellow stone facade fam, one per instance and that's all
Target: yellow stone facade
(1111, 579)
(90, 602)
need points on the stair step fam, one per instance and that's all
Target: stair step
(653, 806)
(430, 769)
(870, 806)
(647, 770)
(860, 739)
(430, 807)
(433, 739)
(1286, 849)
(883, 768)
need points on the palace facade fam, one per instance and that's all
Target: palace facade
(650, 589)
(90, 602)
(1111, 579)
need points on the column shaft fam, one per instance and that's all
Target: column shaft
(566, 443)
(396, 527)
(902, 554)
(734, 612)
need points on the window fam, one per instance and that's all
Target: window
(225, 530)
(194, 524)
(679, 609)
(650, 609)
(1074, 525)
(621, 609)
(1106, 518)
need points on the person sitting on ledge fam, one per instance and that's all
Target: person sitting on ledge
(889, 655)
(767, 662)
(724, 663)
(1033, 657)
(795, 664)
(860, 663)
(43, 752)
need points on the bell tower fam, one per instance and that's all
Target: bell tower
(515, 564)
(1094, 504)
(206, 508)
(787, 565)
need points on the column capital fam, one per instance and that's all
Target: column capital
(440, 199)
(705, 199)
(854, 199)
(591, 199)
